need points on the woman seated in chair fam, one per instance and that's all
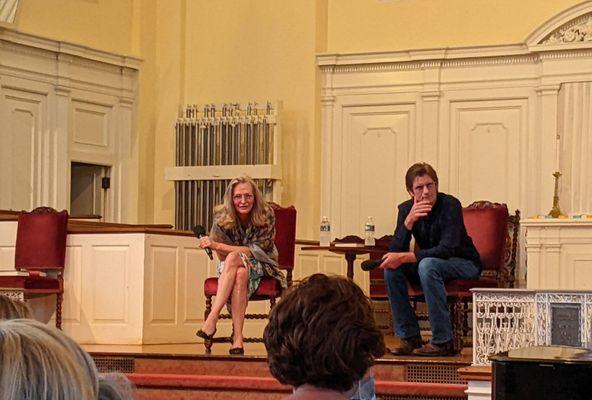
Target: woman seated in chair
(242, 236)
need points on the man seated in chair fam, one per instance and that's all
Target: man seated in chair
(445, 253)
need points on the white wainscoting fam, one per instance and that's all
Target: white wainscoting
(63, 103)
(141, 288)
(559, 253)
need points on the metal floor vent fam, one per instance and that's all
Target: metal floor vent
(434, 374)
(105, 364)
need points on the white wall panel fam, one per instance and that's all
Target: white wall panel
(72, 311)
(559, 253)
(377, 141)
(163, 285)
(575, 133)
(109, 266)
(485, 150)
(61, 103)
(192, 284)
(24, 149)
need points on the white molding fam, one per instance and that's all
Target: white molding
(38, 43)
(490, 80)
(556, 22)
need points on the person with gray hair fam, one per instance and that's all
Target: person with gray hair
(12, 308)
(38, 362)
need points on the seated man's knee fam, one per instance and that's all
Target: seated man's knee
(391, 274)
(428, 267)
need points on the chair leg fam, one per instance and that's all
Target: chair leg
(59, 299)
(457, 317)
(208, 310)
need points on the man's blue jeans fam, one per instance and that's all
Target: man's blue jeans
(432, 273)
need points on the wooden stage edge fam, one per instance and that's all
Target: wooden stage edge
(253, 351)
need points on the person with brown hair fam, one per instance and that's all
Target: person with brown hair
(322, 339)
(445, 252)
(242, 236)
(12, 308)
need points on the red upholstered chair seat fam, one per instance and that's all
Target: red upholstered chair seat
(269, 288)
(40, 248)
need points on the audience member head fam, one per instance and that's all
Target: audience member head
(419, 169)
(12, 309)
(115, 386)
(322, 333)
(40, 362)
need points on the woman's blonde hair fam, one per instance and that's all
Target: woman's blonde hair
(12, 309)
(225, 213)
(39, 362)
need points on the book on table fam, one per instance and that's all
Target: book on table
(345, 244)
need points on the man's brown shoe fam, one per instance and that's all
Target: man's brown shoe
(407, 346)
(436, 350)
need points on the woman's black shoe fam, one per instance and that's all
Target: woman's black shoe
(236, 351)
(204, 335)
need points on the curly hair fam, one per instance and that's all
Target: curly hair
(322, 332)
(225, 214)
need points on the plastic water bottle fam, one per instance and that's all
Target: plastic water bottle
(369, 232)
(325, 234)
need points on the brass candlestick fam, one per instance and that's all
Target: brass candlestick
(556, 211)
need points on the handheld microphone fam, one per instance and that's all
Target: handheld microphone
(200, 231)
(369, 265)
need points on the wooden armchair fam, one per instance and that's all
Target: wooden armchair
(40, 252)
(269, 288)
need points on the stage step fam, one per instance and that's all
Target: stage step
(398, 369)
(189, 387)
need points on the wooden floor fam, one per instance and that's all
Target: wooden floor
(252, 350)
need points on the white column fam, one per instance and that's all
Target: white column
(546, 142)
(327, 138)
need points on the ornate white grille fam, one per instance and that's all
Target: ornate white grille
(506, 319)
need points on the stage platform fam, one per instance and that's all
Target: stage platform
(186, 367)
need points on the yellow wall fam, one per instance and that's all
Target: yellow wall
(241, 51)
(100, 24)
(387, 25)
(203, 51)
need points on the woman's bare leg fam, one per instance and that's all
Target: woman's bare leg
(238, 305)
(226, 283)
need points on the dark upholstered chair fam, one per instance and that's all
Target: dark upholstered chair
(495, 235)
(269, 288)
(41, 251)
